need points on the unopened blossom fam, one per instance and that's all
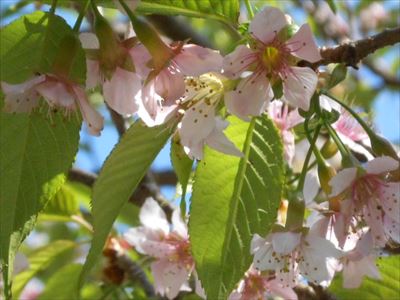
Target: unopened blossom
(166, 86)
(285, 120)
(373, 15)
(167, 243)
(270, 59)
(119, 76)
(200, 126)
(291, 254)
(369, 196)
(258, 286)
(57, 92)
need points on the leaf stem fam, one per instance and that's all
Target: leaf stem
(82, 14)
(249, 9)
(53, 7)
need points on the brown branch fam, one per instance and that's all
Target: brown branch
(351, 53)
(148, 187)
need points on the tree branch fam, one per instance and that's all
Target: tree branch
(351, 53)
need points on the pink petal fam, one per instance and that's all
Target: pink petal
(354, 271)
(374, 219)
(169, 277)
(238, 61)
(342, 180)
(328, 104)
(277, 289)
(120, 91)
(294, 119)
(56, 93)
(179, 226)
(93, 77)
(218, 140)
(250, 97)
(382, 164)
(392, 228)
(303, 45)
(311, 186)
(153, 110)
(169, 84)
(256, 242)
(92, 118)
(285, 242)
(267, 24)
(152, 216)
(263, 259)
(194, 60)
(289, 146)
(140, 57)
(390, 199)
(299, 85)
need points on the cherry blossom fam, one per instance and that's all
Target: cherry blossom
(58, 93)
(256, 285)
(164, 87)
(291, 254)
(169, 246)
(285, 121)
(369, 196)
(271, 58)
(117, 75)
(200, 125)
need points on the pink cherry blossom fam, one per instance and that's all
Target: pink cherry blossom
(369, 196)
(120, 84)
(291, 254)
(57, 92)
(359, 260)
(169, 246)
(164, 89)
(256, 285)
(271, 58)
(285, 121)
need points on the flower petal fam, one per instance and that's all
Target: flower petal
(250, 97)
(299, 85)
(218, 140)
(276, 288)
(93, 119)
(311, 187)
(354, 271)
(169, 84)
(328, 104)
(93, 76)
(392, 228)
(152, 216)
(342, 180)
(390, 199)
(179, 226)
(382, 164)
(238, 61)
(267, 24)
(169, 277)
(303, 45)
(194, 60)
(56, 93)
(140, 57)
(285, 242)
(120, 91)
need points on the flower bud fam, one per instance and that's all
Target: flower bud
(325, 174)
(381, 146)
(329, 149)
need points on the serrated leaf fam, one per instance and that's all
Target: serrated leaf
(181, 163)
(63, 205)
(339, 74)
(119, 177)
(35, 152)
(226, 11)
(241, 199)
(387, 288)
(58, 288)
(30, 44)
(39, 261)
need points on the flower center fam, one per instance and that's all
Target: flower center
(271, 58)
(366, 187)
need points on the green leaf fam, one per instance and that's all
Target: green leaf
(181, 163)
(31, 43)
(226, 11)
(241, 199)
(63, 285)
(371, 289)
(332, 5)
(39, 261)
(339, 74)
(119, 177)
(62, 206)
(35, 152)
